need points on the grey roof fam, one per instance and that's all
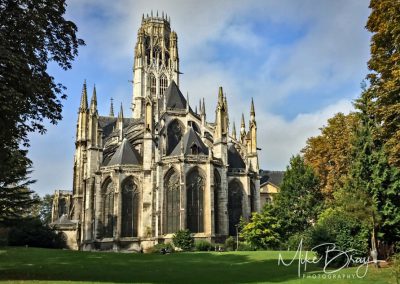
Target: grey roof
(108, 123)
(235, 161)
(125, 155)
(175, 98)
(189, 140)
(274, 177)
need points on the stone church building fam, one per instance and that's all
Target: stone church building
(140, 178)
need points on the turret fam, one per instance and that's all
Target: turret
(242, 130)
(221, 117)
(252, 140)
(80, 158)
(81, 134)
(111, 108)
(234, 131)
(253, 129)
(120, 123)
(221, 128)
(93, 120)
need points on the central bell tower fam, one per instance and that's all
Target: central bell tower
(156, 62)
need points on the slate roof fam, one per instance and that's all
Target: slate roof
(107, 123)
(235, 161)
(189, 140)
(274, 177)
(125, 155)
(174, 97)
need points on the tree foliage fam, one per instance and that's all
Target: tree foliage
(329, 153)
(262, 231)
(384, 79)
(183, 239)
(33, 33)
(300, 200)
(334, 226)
(16, 200)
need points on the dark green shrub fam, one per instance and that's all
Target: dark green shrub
(158, 247)
(203, 246)
(230, 244)
(342, 230)
(34, 233)
(183, 239)
(243, 246)
(294, 241)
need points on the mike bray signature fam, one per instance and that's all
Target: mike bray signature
(331, 254)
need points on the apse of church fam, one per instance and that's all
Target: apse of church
(140, 178)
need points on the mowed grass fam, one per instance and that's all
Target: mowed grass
(26, 265)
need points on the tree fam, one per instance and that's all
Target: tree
(183, 239)
(384, 79)
(32, 34)
(345, 231)
(329, 153)
(371, 193)
(16, 200)
(300, 200)
(261, 231)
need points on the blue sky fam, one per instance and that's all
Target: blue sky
(302, 61)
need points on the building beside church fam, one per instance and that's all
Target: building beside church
(140, 178)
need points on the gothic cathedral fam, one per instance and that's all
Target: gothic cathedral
(137, 180)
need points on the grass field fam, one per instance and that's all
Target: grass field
(26, 265)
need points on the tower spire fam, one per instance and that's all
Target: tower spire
(121, 113)
(84, 103)
(220, 96)
(252, 112)
(93, 101)
(111, 108)
(242, 125)
(234, 131)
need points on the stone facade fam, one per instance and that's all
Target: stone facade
(138, 180)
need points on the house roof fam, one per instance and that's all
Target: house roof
(125, 155)
(274, 177)
(190, 139)
(235, 160)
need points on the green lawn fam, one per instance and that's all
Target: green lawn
(23, 265)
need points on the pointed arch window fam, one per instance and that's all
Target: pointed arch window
(235, 196)
(163, 84)
(152, 84)
(194, 197)
(217, 196)
(252, 197)
(130, 208)
(108, 209)
(172, 202)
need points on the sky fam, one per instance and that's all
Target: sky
(301, 60)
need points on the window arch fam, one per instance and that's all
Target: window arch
(217, 195)
(152, 84)
(235, 196)
(194, 196)
(130, 208)
(163, 84)
(172, 202)
(108, 209)
(252, 197)
(174, 133)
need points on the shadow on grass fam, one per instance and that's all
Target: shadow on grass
(51, 265)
